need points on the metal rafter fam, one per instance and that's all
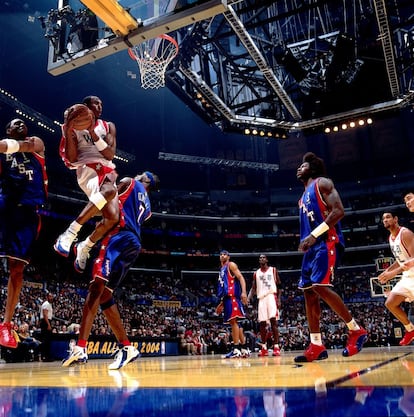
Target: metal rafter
(260, 61)
(387, 46)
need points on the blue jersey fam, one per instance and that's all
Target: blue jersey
(136, 207)
(228, 285)
(120, 248)
(313, 211)
(23, 179)
(229, 290)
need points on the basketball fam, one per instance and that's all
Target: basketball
(80, 116)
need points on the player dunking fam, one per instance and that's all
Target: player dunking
(24, 190)
(321, 240)
(90, 152)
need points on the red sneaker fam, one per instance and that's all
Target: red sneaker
(6, 336)
(356, 339)
(313, 353)
(263, 352)
(407, 339)
(276, 351)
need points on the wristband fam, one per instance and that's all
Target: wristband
(100, 131)
(100, 145)
(319, 230)
(12, 146)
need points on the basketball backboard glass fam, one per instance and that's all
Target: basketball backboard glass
(78, 36)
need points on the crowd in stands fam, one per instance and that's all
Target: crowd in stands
(194, 321)
(167, 304)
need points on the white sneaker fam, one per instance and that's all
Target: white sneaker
(64, 242)
(246, 353)
(235, 353)
(82, 256)
(123, 357)
(76, 354)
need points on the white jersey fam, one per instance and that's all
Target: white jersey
(87, 152)
(400, 252)
(265, 282)
(46, 306)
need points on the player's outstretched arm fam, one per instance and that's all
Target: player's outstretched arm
(32, 144)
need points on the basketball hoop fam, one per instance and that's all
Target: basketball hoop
(153, 57)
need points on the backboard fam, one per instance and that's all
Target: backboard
(78, 36)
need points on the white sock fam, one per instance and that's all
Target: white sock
(74, 227)
(409, 327)
(352, 325)
(88, 242)
(316, 339)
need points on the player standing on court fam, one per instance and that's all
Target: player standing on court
(232, 292)
(266, 284)
(401, 242)
(117, 254)
(321, 240)
(24, 190)
(90, 152)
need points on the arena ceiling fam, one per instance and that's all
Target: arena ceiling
(282, 66)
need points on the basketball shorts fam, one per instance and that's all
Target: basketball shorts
(117, 254)
(267, 308)
(233, 308)
(318, 265)
(20, 229)
(405, 288)
(91, 176)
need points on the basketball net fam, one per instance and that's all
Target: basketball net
(153, 57)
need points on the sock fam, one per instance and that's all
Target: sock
(352, 325)
(74, 227)
(409, 327)
(316, 339)
(88, 242)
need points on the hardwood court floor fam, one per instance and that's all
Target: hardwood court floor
(376, 382)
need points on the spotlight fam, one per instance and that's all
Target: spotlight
(262, 133)
(352, 124)
(247, 131)
(335, 128)
(269, 134)
(369, 121)
(327, 130)
(361, 122)
(254, 132)
(344, 126)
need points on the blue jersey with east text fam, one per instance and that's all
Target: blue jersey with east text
(23, 179)
(313, 211)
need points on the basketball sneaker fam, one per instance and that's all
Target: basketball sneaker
(64, 242)
(276, 351)
(123, 357)
(263, 352)
(407, 339)
(82, 256)
(234, 353)
(246, 353)
(6, 336)
(356, 339)
(313, 353)
(76, 355)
